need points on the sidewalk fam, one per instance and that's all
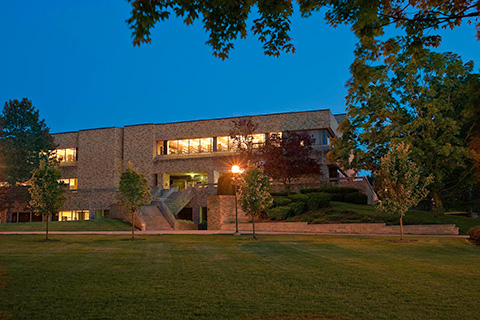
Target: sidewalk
(218, 232)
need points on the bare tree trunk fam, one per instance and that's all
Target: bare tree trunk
(438, 204)
(401, 227)
(253, 226)
(46, 230)
(133, 225)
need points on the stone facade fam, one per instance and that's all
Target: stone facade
(103, 153)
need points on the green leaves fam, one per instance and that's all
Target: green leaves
(133, 187)
(46, 192)
(254, 192)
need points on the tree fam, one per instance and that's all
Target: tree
(24, 137)
(254, 194)
(243, 138)
(134, 192)
(288, 157)
(225, 21)
(46, 192)
(399, 183)
(426, 103)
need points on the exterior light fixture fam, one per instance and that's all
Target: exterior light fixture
(236, 171)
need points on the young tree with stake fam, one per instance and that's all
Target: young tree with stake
(46, 192)
(134, 192)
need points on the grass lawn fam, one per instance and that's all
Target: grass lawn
(351, 213)
(88, 225)
(227, 277)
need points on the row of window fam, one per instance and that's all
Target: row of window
(73, 215)
(205, 145)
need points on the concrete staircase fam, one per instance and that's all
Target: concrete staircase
(160, 214)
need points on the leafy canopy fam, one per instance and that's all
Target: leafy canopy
(400, 185)
(226, 20)
(46, 192)
(133, 187)
(254, 193)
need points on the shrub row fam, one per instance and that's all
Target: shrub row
(318, 200)
(356, 197)
(340, 190)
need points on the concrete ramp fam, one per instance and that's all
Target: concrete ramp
(154, 219)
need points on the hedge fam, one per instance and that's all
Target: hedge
(318, 200)
(297, 207)
(357, 198)
(281, 201)
(279, 213)
(298, 197)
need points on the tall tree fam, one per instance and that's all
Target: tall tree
(254, 193)
(426, 103)
(24, 137)
(46, 192)
(399, 183)
(288, 157)
(134, 192)
(242, 136)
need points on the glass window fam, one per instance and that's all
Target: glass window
(222, 144)
(160, 148)
(194, 145)
(206, 144)
(73, 215)
(71, 183)
(258, 140)
(173, 147)
(183, 146)
(66, 155)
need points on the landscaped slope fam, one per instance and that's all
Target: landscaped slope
(88, 225)
(341, 212)
(227, 277)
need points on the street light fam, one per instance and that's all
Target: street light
(236, 171)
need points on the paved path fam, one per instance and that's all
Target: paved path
(219, 232)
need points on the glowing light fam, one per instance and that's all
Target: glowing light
(236, 169)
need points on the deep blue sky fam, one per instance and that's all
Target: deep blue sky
(76, 61)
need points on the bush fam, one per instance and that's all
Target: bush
(318, 200)
(298, 197)
(279, 213)
(357, 198)
(297, 207)
(225, 184)
(474, 234)
(281, 201)
(279, 194)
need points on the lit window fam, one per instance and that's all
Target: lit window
(206, 144)
(73, 215)
(258, 140)
(183, 146)
(173, 147)
(160, 148)
(222, 144)
(194, 145)
(66, 155)
(71, 183)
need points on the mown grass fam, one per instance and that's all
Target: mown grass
(88, 225)
(341, 212)
(227, 277)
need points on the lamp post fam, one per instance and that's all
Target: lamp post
(236, 170)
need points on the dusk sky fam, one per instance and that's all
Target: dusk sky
(76, 62)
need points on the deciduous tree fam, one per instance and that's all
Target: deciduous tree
(254, 194)
(288, 157)
(426, 103)
(134, 192)
(46, 192)
(399, 183)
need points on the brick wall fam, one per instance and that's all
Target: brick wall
(221, 211)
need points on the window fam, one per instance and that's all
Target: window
(73, 215)
(222, 144)
(160, 147)
(66, 155)
(206, 144)
(173, 147)
(183, 146)
(71, 183)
